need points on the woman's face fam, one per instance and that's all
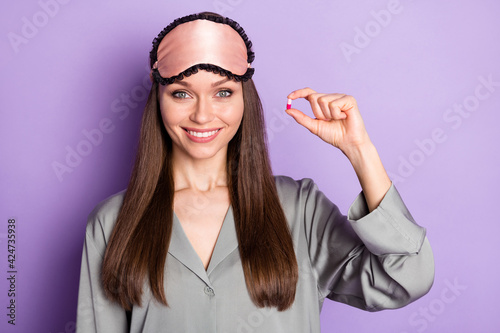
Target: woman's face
(201, 113)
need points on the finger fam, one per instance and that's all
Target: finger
(301, 93)
(304, 120)
(329, 107)
(324, 106)
(335, 110)
(311, 96)
(343, 106)
(316, 107)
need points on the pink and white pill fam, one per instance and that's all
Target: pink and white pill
(289, 104)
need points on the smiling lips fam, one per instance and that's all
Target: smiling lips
(202, 135)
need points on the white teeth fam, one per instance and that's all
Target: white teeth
(202, 134)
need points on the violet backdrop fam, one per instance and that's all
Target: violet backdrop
(426, 75)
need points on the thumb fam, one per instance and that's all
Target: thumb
(304, 120)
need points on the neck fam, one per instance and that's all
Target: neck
(199, 174)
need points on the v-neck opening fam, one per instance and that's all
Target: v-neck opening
(217, 241)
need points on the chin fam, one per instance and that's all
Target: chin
(203, 154)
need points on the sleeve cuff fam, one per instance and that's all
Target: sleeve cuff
(388, 229)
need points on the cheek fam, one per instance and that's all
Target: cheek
(169, 119)
(169, 113)
(240, 114)
(234, 114)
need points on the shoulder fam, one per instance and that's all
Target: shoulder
(102, 218)
(294, 192)
(288, 183)
(287, 186)
(303, 197)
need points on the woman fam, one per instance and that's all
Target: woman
(206, 239)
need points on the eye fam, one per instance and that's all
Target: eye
(180, 94)
(224, 93)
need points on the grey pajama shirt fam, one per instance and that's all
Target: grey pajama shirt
(370, 260)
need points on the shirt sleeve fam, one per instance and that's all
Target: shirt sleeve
(370, 260)
(95, 313)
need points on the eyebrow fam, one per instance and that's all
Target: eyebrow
(215, 84)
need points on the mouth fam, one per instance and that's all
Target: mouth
(201, 135)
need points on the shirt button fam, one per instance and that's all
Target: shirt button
(209, 291)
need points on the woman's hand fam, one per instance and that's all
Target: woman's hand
(338, 121)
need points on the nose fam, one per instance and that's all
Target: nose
(203, 112)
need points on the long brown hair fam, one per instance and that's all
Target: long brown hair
(139, 242)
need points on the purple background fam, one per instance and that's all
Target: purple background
(65, 69)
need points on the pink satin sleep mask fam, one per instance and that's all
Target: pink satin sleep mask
(201, 41)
